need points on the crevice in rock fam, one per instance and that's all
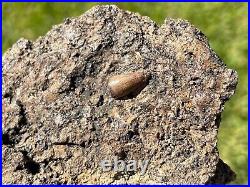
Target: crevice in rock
(142, 38)
(9, 95)
(100, 101)
(130, 134)
(118, 175)
(122, 155)
(29, 164)
(23, 119)
(72, 85)
(45, 85)
(75, 80)
(69, 144)
(12, 136)
(32, 167)
(6, 139)
(218, 120)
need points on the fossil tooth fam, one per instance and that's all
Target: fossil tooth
(127, 85)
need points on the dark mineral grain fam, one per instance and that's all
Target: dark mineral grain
(60, 121)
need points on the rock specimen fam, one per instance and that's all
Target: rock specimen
(60, 121)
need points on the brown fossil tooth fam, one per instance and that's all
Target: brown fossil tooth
(130, 84)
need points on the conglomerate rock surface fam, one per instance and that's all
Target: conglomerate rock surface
(60, 121)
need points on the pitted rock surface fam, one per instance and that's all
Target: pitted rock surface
(60, 121)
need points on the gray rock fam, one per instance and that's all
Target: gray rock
(60, 121)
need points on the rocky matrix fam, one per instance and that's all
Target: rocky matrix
(60, 121)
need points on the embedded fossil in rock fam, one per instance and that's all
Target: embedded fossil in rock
(128, 85)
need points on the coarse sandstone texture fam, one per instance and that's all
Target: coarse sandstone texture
(59, 120)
